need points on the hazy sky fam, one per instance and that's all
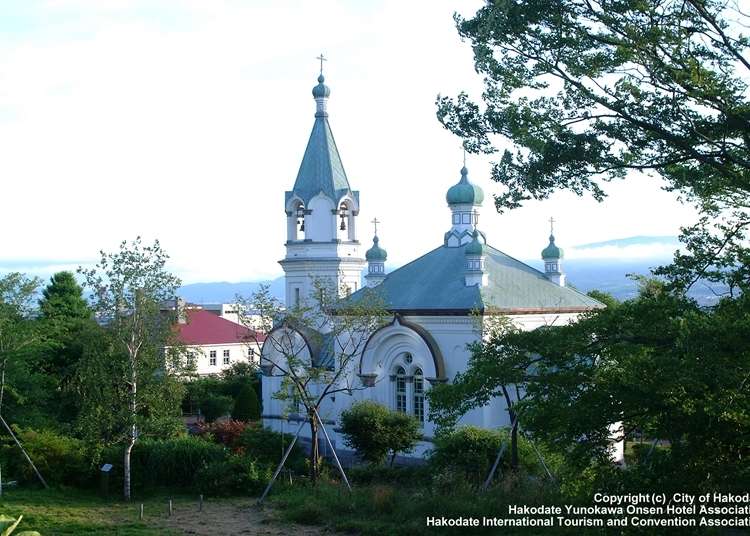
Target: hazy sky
(187, 120)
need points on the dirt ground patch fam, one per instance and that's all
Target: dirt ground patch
(229, 517)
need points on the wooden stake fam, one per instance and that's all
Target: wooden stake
(38, 474)
(333, 450)
(281, 464)
(200, 503)
(170, 507)
(140, 514)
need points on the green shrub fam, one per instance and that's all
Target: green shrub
(267, 447)
(214, 406)
(403, 477)
(470, 451)
(172, 462)
(236, 474)
(376, 431)
(60, 459)
(246, 406)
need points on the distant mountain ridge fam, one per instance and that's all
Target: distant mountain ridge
(632, 241)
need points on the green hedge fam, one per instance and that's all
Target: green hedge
(172, 462)
(61, 460)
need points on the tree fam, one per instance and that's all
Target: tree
(376, 431)
(659, 365)
(246, 406)
(214, 406)
(313, 347)
(133, 381)
(589, 92)
(67, 321)
(18, 332)
(485, 378)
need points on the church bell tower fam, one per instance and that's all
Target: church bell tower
(321, 214)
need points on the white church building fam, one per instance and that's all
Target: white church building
(432, 301)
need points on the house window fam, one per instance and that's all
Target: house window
(419, 395)
(212, 358)
(226, 357)
(401, 390)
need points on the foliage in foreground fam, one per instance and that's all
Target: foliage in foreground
(376, 431)
(660, 365)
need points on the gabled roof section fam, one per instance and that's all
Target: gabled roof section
(204, 328)
(435, 284)
(321, 169)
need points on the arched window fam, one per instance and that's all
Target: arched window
(401, 390)
(419, 395)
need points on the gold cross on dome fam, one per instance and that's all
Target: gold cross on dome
(552, 226)
(322, 58)
(375, 222)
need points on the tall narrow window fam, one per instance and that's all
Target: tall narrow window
(212, 357)
(226, 357)
(419, 395)
(296, 297)
(401, 390)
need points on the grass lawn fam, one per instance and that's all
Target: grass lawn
(76, 512)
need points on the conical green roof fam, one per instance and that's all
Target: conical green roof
(321, 169)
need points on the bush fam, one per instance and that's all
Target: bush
(172, 462)
(402, 477)
(471, 451)
(214, 406)
(236, 474)
(267, 447)
(226, 433)
(246, 406)
(376, 431)
(60, 459)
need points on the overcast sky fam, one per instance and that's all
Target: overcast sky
(186, 121)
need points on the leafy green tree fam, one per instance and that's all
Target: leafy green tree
(66, 320)
(63, 300)
(132, 382)
(214, 406)
(589, 92)
(314, 347)
(20, 339)
(376, 431)
(246, 407)
(659, 365)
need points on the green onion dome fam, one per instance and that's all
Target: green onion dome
(376, 253)
(475, 247)
(552, 251)
(464, 192)
(321, 90)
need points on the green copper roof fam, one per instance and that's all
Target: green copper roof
(464, 192)
(552, 251)
(435, 283)
(376, 253)
(321, 169)
(475, 246)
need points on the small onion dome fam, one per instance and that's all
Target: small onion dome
(464, 192)
(552, 251)
(475, 247)
(321, 90)
(376, 253)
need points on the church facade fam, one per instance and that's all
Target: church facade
(433, 301)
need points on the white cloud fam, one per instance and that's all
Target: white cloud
(187, 122)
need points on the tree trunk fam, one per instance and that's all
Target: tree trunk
(314, 454)
(514, 444)
(513, 431)
(393, 458)
(126, 464)
(133, 432)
